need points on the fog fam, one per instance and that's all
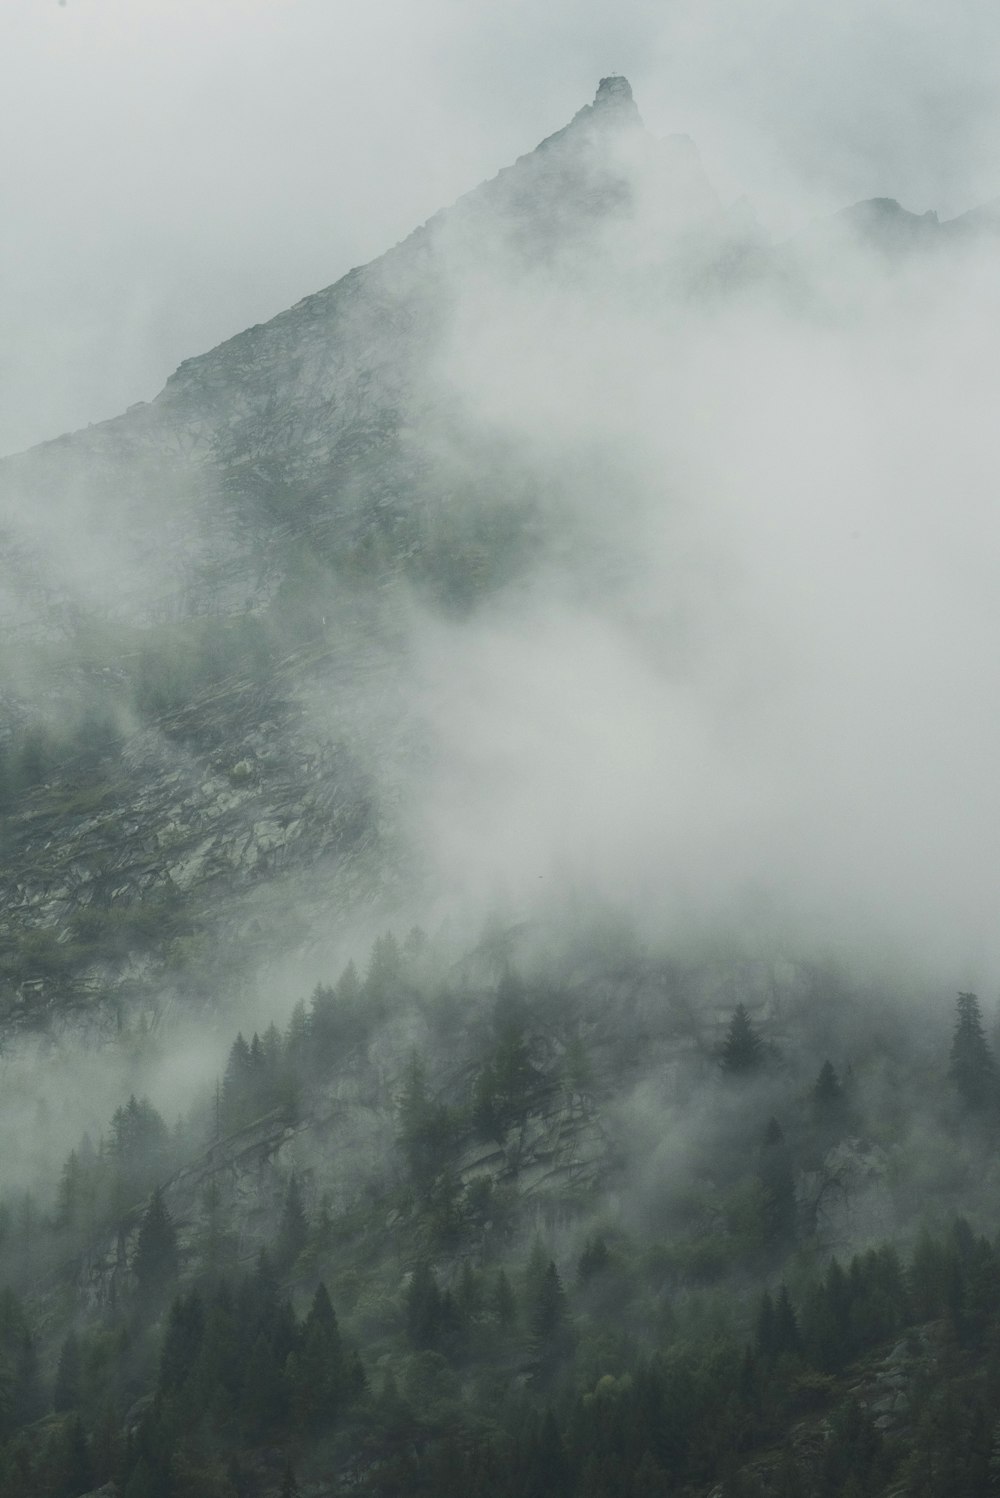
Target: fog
(171, 176)
(755, 671)
(745, 691)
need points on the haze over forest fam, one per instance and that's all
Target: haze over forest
(497, 781)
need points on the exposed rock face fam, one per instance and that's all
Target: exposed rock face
(306, 475)
(322, 444)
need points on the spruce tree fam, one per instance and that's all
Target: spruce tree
(74, 1464)
(548, 1310)
(742, 1049)
(293, 1232)
(973, 1069)
(777, 1181)
(828, 1098)
(504, 1304)
(155, 1262)
(423, 1308)
(29, 1401)
(263, 1395)
(316, 1373)
(66, 1394)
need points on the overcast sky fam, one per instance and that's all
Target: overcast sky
(174, 170)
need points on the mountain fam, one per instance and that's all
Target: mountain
(209, 604)
(580, 540)
(204, 600)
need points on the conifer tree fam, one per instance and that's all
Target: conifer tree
(236, 1098)
(384, 967)
(828, 1098)
(68, 1199)
(742, 1049)
(74, 1465)
(182, 1343)
(973, 1069)
(548, 1311)
(504, 1304)
(549, 1474)
(777, 1189)
(66, 1394)
(293, 1231)
(263, 1396)
(594, 1259)
(423, 1308)
(155, 1262)
(786, 1326)
(29, 1400)
(316, 1373)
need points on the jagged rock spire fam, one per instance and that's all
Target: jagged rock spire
(614, 93)
(613, 104)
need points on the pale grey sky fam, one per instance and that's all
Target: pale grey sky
(175, 170)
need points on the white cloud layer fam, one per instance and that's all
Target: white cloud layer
(174, 171)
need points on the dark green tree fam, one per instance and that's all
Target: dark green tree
(504, 1304)
(828, 1102)
(66, 1393)
(424, 1321)
(263, 1397)
(316, 1372)
(155, 1261)
(29, 1398)
(74, 1465)
(182, 1343)
(777, 1182)
(973, 1068)
(594, 1259)
(293, 1230)
(547, 1312)
(742, 1049)
(138, 1146)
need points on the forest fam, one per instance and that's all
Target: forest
(464, 1320)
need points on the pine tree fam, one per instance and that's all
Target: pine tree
(594, 1259)
(828, 1104)
(423, 1308)
(548, 1310)
(777, 1189)
(504, 1304)
(74, 1464)
(68, 1198)
(742, 1049)
(293, 1231)
(549, 1474)
(786, 1326)
(182, 1343)
(263, 1396)
(973, 1069)
(66, 1394)
(155, 1262)
(384, 967)
(236, 1104)
(29, 1401)
(316, 1373)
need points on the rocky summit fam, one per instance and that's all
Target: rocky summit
(207, 602)
(554, 547)
(204, 600)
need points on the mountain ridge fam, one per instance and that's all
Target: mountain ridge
(264, 525)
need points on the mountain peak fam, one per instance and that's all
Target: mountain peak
(613, 104)
(614, 93)
(613, 109)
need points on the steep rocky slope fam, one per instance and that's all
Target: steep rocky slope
(207, 602)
